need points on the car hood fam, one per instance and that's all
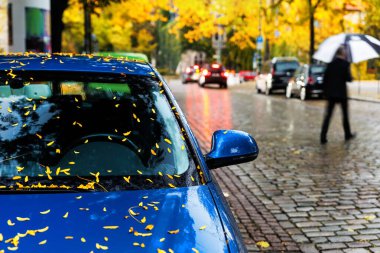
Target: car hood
(181, 219)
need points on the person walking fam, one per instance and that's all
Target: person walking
(336, 76)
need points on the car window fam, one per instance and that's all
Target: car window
(74, 132)
(284, 66)
(317, 70)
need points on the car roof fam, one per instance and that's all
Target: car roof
(73, 63)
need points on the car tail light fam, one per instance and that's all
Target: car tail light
(196, 67)
(310, 80)
(225, 74)
(188, 70)
(272, 72)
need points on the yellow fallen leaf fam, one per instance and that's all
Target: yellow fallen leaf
(22, 219)
(110, 227)
(102, 247)
(50, 143)
(83, 239)
(42, 242)
(173, 232)
(161, 251)
(202, 228)
(263, 244)
(66, 215)
(43, 229)
(168, 141)
(369, 217)
(127, 179)
(153, 152)
(149, 227)
(45, 212)
(69, 237)
(162, 239)
(143, 220)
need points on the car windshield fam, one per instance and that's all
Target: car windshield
(286, 66)
(317, 70)
(90, 133)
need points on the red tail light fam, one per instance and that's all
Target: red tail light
(310, 80)
(225, 74)
(273, 72)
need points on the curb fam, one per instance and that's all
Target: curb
(365, 99)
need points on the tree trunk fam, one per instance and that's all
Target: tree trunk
(87, 27)
(57, 9)
(312, 33)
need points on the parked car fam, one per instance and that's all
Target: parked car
(246, 75)
(97, 155)
(191, 74)
(128, 55)
(275, 74)
(306, 82)
(215, 73)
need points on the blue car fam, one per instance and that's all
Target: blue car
(96, 156)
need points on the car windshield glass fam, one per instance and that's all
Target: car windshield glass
(286, 66)
(317, 70)
(90, 133)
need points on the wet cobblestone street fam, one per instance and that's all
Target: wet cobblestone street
(297, 195)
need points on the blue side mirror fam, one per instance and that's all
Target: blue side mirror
(231, 147)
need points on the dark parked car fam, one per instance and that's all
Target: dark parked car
(215, 73)
(191, 74)
(96, 155)
(306, 82)
(275, 74)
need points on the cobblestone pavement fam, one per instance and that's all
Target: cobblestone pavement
(297, 195)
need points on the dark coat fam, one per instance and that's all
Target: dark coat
(334, 81)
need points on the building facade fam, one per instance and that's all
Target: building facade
(25, 26)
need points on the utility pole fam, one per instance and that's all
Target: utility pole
(219, 45)
(259, 41)
(87, 27)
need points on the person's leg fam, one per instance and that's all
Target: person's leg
(345, 118)
(326, 121)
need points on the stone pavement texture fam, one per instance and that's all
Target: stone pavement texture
(297, 195)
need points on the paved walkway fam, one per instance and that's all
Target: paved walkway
(298, 195)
